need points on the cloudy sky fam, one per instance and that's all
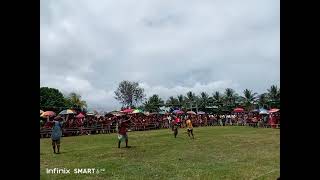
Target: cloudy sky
(169, 47)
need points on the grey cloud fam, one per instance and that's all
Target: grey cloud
(89, 46)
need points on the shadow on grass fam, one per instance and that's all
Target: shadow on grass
(123, 147)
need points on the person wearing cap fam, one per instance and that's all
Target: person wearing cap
(56, 133)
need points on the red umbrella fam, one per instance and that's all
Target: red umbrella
(238, 110)
(274, 110)
(127, 111)
(80, 116)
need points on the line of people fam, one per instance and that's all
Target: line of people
(157, 121)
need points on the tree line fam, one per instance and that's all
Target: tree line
(52, 99)
(129, 94)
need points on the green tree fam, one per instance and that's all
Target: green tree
(263, 101)
(190, 99)
(172, 102)
(248, 99)
(74, 101)
(153, 104)
(181, 101)
(274, 96)
(204, 101)
(217, 99)
(229, 99)
(129, 93)
(51, 99)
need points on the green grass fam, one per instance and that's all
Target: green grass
(215, 153)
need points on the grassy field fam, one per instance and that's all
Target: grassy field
(215, 153)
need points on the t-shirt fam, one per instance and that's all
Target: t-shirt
(123, 129)
(189, 124)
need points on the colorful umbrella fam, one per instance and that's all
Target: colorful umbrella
(201, 112)
(274, 110)
(137, 111)
(191, 112)
(48, 114)
(178, 112)
(238, 110)
(80, 116)
(127, 111)
(67, 111)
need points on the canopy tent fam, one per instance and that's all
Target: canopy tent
(263, 111)
(165, 109)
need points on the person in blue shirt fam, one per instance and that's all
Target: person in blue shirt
(56, 133)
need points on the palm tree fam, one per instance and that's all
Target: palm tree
(74, 101)
(229, 98)
(217, 98)
(191, 98)
(153, 104)
(181, 101)
(204, 100)
(263, 100)
(273, 92)
(248, 99)
(274, 96)
(172, 102)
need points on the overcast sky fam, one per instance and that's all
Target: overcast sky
(169, 46)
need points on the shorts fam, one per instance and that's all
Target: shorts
(122, 137)
(189, 129)
(56, 141)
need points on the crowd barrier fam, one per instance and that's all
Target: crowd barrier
(46, 133)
